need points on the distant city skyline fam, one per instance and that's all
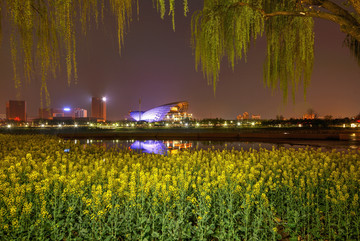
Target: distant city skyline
(157, 65)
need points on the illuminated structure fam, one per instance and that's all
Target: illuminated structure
(309, 116)
(57, 112)
(45, 113)
(16, 110)
(245, 116)
(98, 108)
(175, 109)
(80, 113)
(68, 112)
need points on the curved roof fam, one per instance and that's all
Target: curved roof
(158, 113)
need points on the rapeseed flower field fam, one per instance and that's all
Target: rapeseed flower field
(94, 193)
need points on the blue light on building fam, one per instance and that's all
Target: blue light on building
(158, 113)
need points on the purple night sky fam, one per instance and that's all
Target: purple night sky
(157, 65)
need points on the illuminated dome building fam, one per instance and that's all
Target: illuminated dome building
(172, 111)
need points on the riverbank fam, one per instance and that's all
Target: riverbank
(236, 134)
(216, 134)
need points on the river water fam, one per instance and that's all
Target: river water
(174, 146)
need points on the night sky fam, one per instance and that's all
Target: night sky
(157, 65)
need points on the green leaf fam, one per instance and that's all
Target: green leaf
(155, 235)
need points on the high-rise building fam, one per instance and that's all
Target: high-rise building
(98, 108)
(16, 110)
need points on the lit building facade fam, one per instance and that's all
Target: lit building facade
(63, 112)
(16, 110)
(256, 117)
(98, 108)
(57, 112)
(175, 111)
(80, 113)
(309, 116)
(45, 113)
(245, 116)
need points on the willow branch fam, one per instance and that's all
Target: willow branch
(356, 5)
(331, 7)
(259, 10)
(347, 23)
(37, 10)
(346, 26)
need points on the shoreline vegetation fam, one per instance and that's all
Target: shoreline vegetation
(232, 134)
(94, 193)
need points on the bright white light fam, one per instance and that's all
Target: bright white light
(8, 126)
(75, 125)
(67, 109)
(60, 125)
(253, 123)
(238, 123)
(104, 99)
(353, 125)
(42, 125)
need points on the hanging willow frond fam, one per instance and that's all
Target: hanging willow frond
(161, 7)
(227, 27)
(220, 29)
(354, 46)
(44, 31)
(290, 54)
(123, 13)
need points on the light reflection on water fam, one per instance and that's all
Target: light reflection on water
(156, 147)
(174, 146)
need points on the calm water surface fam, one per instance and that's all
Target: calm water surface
(173, 146)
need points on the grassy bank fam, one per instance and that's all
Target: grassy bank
(96, 194)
